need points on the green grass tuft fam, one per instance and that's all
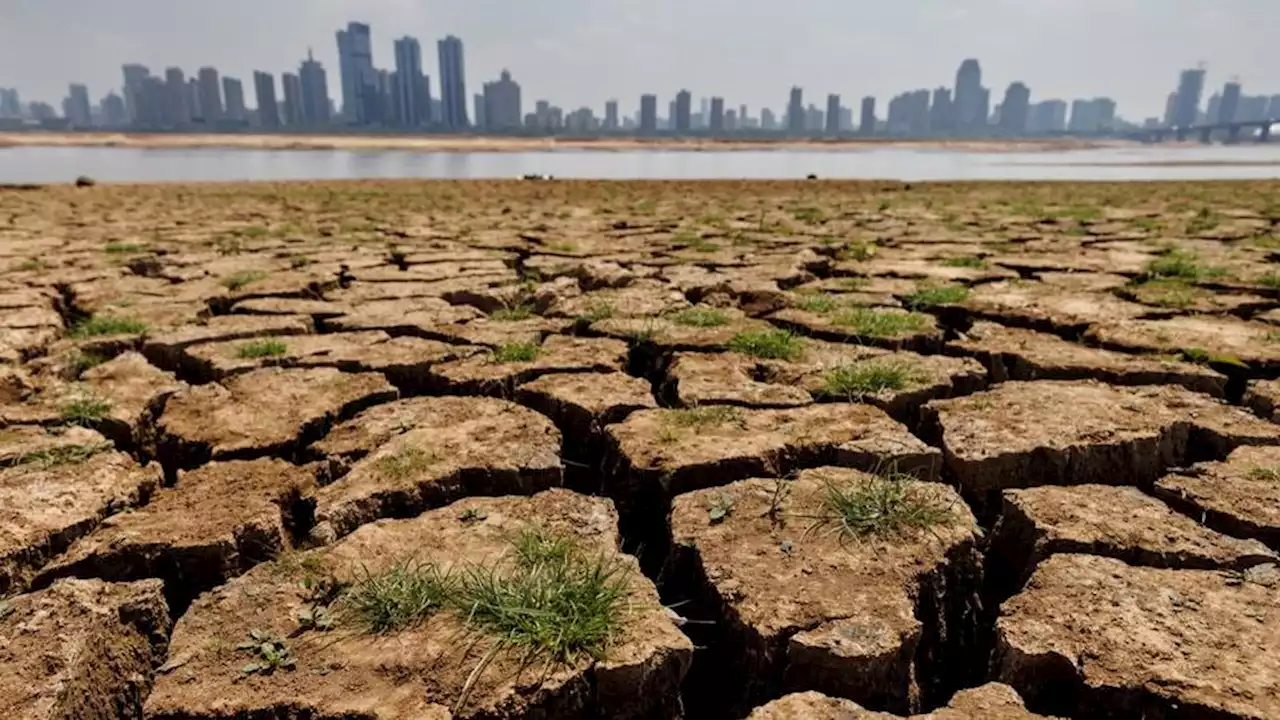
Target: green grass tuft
(880, 323)
(1270, 280)
(262, 349)
(702, 317)
(965, 262)
(870, 377)
(819, 303)
(408, 461)
(884, 505)
(85, 410)
(65, 455)
(1184, 264)
(512, 314)
(516, 352)
(597, 311)
(242, 279)
(927, 297)
(859, 251)
(107, 325)
(703, 416)
(81, 362)
(1264, 474)
(768, 344)
(399, 597)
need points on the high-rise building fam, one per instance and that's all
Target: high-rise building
(1015, 109)
(1253, 108)
(233, 93)
(1094, 115)
(359, 79)
(210, 95)
(730, 120)
(478, 114)
(611, 115)
(1170, 109)
(867, 116)
(1230, 107)
(833, 114)
(410, 87)
(680, 117)
(1273, 108)
(648, 113)
(76, 108)
(715, 123)
(150, 104)
(1190, 89)
(10, 104)
(453, 86)
(909, 114)
(1049, 116)
(294, 111)
(795, 111)
(704, 113)
(264, 88)
(502, 107)
(970, 108)
(134, 77)
(113, 112)
(1214, 109)
(314, 92)
(177, 111)
(941, 111)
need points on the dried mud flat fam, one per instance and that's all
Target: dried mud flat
(389, 451)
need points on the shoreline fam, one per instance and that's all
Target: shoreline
(500, 144)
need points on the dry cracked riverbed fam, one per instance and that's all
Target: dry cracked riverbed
(640, 450)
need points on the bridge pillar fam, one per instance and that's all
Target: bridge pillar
(1180, 134)
(1264, 134)
(1206, 135)
(1233, 134)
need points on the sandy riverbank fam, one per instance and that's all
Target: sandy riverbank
(472, 143)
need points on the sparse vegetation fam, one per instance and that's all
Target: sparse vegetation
(399, 597)
(883, 505)
(85, 410)
(700, 316)
(123, 248)
(856, 251)
(262, 349)
(880, 323)
(516, 352)
(64, 455)
(820, 303)
(100, 325)
(768, 344)
(1184, 264)
(596, 312)
(270, 651)
(936, 295)
(970, 261)
(702, 416)
(870, 377)
(407, 462)
(80, 362)
(514, 313)
(243, 279)
(1264, 474)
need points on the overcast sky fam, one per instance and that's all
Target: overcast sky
(582, 52)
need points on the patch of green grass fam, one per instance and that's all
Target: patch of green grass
(1168, 292)
(399, 597)
(820, 303)
(808, 215)
(702, 317)
(65, 455)
(768, 344)
(1177, 263)
(408, 461)
(1205, 219)
(597, 311)
(1082, 213)
(81, 362)
(933, 296)
(883, 505)
(123, 248)
(564, 247)
(702, 416)
(1200, 356)
(870, 377)
(85, 410)
(516, 352)
(100, 325)
(1264, 474)
(1270, 280)
(271, 653)
(859, 251)
(262, 349)
(31, 265)
(515, 313)
(971, 261)
(242, 279)
(880, 323)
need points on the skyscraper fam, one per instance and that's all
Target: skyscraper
(1014, 109)
(970, 110)
(233, 93)
(833, 114)
(264, 88)
(10, 104)
(1230, 107)
(648, 114)
(134, 77)
(453, 86)
(113, 113)
(1171, 109)
(1190, 88)
(684, 101)
(715, 122)
(477, 103)
(78, 111)
(1273, 108)
(611, 115)
(1049, 116)
(314, 92)
(941, 112)
(294, 114)
(177, 111)
(410, 84)
(359, 80)
(210, 95)
(502, 106)
(795, 111)
(867, 118)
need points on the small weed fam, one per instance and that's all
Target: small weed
(85, 410)
(516, 352)
(399, 597)
(81, 362)
(408, 461)
(1270, 280)
(702, 317)
(262, 349)
(971, 261)
(299, 261)
(123, 248)
(887, 504)
(471, 515)
(1269, 242)
(31, 265)
(869, 378)
(809, 215)
(768, 344)
(1264, 474)
(859, 251)
(512, 314)
(564, 247)
(107, 325)
(271, 651)
(1168, 292)
(927, 297)
(243, 279)
(1204, 220)
(703, 416)
(820, 303)
(884, 205)
(596, 312)
(1175, 263)
(719, 509)
(66, 455)
(880, 323)
(1200, 356)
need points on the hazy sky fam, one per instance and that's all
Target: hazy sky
(582, 52)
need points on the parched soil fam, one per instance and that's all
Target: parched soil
(885, 449)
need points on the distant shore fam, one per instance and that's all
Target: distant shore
(498, 143)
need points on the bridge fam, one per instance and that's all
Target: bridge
(1207, 131)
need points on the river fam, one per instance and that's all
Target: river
(115, 164)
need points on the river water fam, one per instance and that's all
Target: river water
(62, 164)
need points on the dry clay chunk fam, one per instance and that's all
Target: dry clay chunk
(135, 391)
(81, 650)
(456, 447)
(52, 498)
(1023, 434)
(498, 373)
(1119, 522)
(264, 412)
(803, 601)
(992, 701)
(1094, 637)
(218, 521)
(1240, 496)
(726, 379)
(419, 670)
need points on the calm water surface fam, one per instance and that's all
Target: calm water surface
(44, 165)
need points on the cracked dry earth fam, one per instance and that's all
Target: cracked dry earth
(836, 451)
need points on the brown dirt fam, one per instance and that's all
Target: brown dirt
(1233, 340)
(420, 671)
(1093, 637)
(834, 328)
(992, 701)
(81, 650)
(1239, 496)
(727, 379)
(488, 374)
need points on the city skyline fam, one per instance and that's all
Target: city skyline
(1052, 49)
